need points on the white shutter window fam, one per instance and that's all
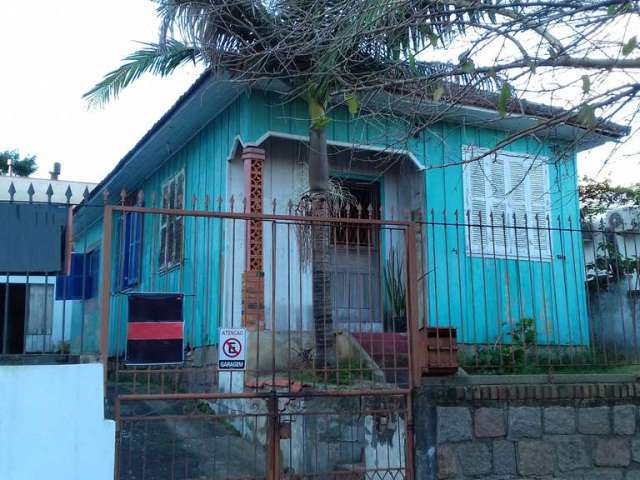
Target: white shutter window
(476, 202)
(509, 190)
(498, 207)
(517, 169)
(539, 208)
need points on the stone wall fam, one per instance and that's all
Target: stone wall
(569, 431)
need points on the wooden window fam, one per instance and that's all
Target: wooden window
(82, 281)
(172, 226)
(40, 309)
(131, 249)
(131, 228)
(507, 201)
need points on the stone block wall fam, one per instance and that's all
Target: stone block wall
(586, 431)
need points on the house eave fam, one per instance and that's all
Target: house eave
(579, 137)
(211, 94)
(201, 103)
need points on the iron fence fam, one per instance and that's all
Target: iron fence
(530, 293)
(495, 292)
(338, 323)
(262, 437)
(42, 306)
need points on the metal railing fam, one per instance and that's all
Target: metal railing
(40, 321)
(325, 392)
(361, 328)
(253, 437)
(531, 293)
(508, 294)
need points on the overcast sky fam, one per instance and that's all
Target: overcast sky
(52, 52)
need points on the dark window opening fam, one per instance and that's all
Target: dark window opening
(12, 317)
(365, 195)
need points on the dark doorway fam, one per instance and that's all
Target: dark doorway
(356, 262)
(12, 315)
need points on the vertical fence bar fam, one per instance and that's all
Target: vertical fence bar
(534, 317)
(496, 270)
(26, 313)
(483, 269)
(634, 292)
(541, 261)
(473, 299)
(44, 315)
(459, 254)
(448, 279)
(106, 289)
(435, 283)
(5, 318)
(577, 285)
(415, 373)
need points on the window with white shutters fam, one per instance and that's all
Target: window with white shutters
(507, 204)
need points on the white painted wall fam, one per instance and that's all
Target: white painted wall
(52, 423)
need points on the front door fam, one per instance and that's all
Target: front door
(356, 262)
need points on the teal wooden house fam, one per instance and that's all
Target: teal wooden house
(498, 240)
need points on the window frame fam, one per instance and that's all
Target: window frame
(132, 232)
(510, 250)
(47, 327)
(83, 281)
(168, 222)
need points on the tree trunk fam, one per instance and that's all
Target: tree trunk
(325, 356)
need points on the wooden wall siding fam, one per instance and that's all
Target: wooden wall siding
(505, 291)
(270, 114)
(204, 160)
(551, 292)
(85, 316)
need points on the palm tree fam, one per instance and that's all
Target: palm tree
(326, 51)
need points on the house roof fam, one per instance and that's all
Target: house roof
(489, 100)
(211, 94)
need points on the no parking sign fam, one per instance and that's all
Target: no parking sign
(231, 354)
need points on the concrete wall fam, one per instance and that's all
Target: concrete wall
(530, 428)
(52, 424)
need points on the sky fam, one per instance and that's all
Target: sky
(53, 52)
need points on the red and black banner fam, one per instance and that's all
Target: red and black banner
(155, 331)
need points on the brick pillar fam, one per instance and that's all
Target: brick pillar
(253, 276)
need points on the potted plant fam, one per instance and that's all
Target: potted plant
(396, 293)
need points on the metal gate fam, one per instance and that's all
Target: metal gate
(200, 436)
(287, 414)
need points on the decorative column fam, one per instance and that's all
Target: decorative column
(253, 276)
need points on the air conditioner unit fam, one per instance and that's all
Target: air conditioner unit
(623, 219)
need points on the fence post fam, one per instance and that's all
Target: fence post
(105, 289)
(415, 366)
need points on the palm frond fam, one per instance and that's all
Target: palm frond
(154, 58)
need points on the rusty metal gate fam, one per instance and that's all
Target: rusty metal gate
(200, 436)
(290, 413)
